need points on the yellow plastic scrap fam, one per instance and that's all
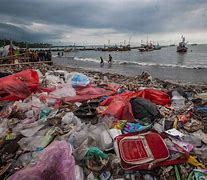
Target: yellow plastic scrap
(193, 161)
(175, 124)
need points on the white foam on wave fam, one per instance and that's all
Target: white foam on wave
(163, 65)
(87, 59)
(144, 63)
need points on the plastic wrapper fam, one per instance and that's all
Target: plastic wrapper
(55, 162)
(79, 173)
(88, 136)
(3, 128)
(31, 131)
(53, 80)
(70, 118)
(95, 159)
(32, 143)
(35, 142)
(106, 141)
(24, 159)
(119, 124)
(77, 79)
(44, 112)
(201, 153)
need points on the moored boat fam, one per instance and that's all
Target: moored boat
(182, 45)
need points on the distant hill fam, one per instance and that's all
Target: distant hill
(25, 44)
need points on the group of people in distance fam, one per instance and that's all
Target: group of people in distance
(109, 61)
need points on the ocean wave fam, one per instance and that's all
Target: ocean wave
(200, 66)
(87, 59)
(119, 62)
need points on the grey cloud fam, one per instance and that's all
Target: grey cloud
(21, 34)
(137, 17)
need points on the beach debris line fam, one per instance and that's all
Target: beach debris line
(75, 125)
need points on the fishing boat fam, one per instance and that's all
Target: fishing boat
(146, 47)
(182, 45)
(157, 47)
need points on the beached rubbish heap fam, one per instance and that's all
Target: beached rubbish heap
(60, 125)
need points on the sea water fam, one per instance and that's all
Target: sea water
(165, 63)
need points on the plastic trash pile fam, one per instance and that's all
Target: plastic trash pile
(69, 126)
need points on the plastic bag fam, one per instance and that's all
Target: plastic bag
(36, 142)
(18, 86)
(63, 90)
(79, 173)
(55, 162)
(52, 80)
(77, 79)
(70, 118)
(89, 135)
(95, 159)
(24, 159)
(44, 112)
(31, 131)
(3, 128)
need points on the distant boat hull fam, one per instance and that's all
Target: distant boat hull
(182, 49)
(124, 48)
(145, 49)
(157, 48)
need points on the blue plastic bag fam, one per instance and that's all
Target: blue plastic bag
(80, 80)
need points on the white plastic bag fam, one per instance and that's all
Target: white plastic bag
(63, 90)
(70, 118)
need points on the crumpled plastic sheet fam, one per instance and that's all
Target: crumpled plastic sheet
(53, 80)
(19, 86)
(120, 107)
(63, 90)
(90, 92)
(55, 162)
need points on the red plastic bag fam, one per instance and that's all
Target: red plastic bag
(119, 105)
(156, 96)
(18, 86)
(91, 92)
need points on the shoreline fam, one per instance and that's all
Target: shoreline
(172, 74)
(128, 81)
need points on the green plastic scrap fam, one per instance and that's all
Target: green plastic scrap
(44, 112)
(177, 173)
(197, 175)
(94, 151)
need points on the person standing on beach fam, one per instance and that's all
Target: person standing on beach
(101, 62)
(110, 59)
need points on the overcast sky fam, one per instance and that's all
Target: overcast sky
(97, 21)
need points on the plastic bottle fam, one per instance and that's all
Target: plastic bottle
(177, 100)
